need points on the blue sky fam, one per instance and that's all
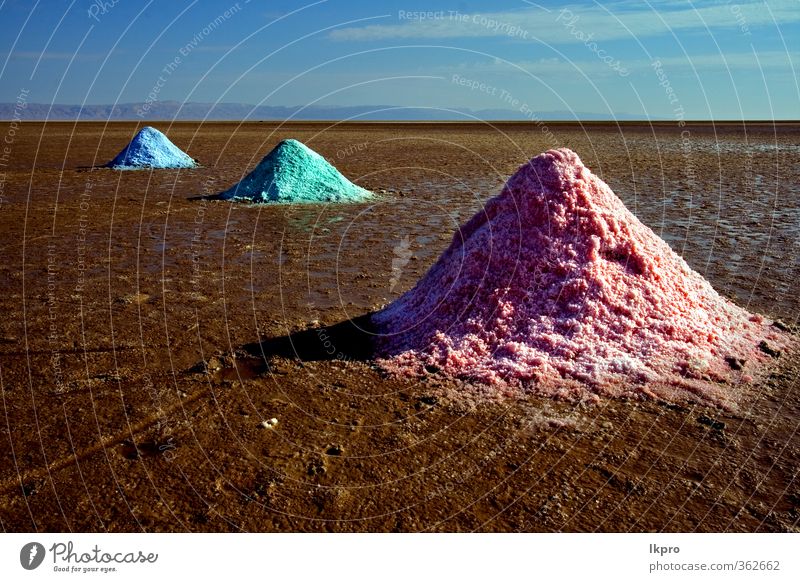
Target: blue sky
(701, 60)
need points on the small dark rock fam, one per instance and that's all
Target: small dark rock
(199, 517)
(780, 325)
(429, 400)
(675, 407)
(129, 451)
(735, 363)
(710, 422)
(334, 450)
(29, 488)
(769, 350)
(431, 369)
(148, 448)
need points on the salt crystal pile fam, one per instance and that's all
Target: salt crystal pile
(556, 288)
(292, 173)
(151, 149)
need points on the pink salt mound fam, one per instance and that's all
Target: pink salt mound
(556, 288)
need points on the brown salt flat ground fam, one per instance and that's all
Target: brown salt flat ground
(108, 423)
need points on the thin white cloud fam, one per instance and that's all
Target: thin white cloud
(618, 20)
(547, 67)
(214, 48)
(732, 61)
(53, 56)
(58, 55)
(768, 60)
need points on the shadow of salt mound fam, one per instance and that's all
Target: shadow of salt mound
(347, 340)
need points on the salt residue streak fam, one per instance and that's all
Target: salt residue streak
(294, 174)
(151, 149)
(556, 288)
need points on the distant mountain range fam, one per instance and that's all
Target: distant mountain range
(174, 110)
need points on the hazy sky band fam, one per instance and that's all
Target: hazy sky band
(723, 59)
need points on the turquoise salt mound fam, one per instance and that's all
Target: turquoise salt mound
(295, 174)
(151, 149)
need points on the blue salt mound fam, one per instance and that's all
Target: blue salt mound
(295, 174)
(151, 149)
